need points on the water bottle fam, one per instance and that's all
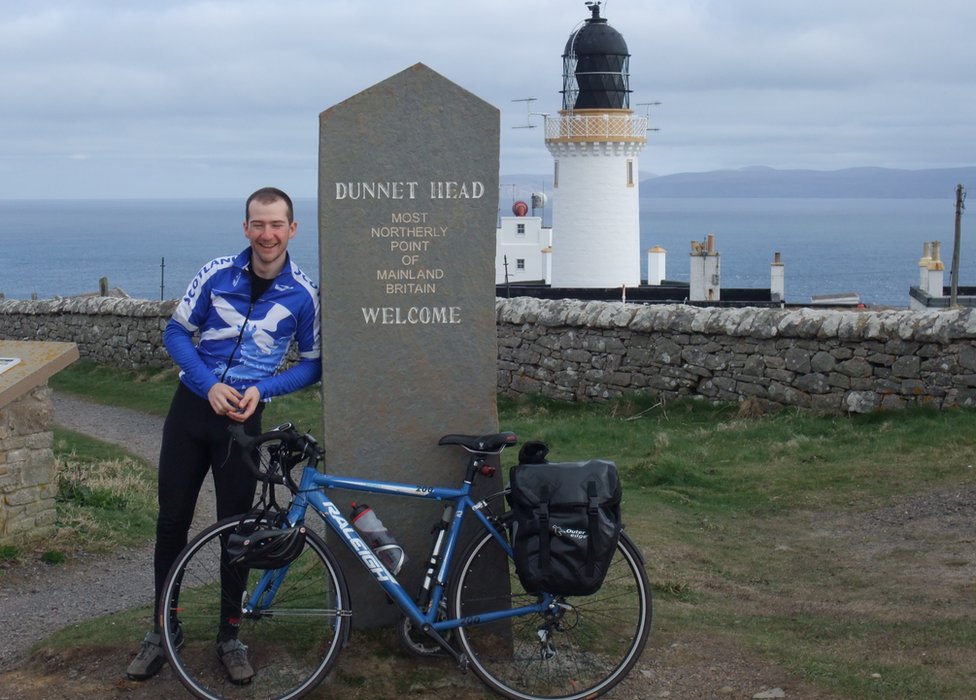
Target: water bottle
(377, 537)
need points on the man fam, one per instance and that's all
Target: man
(246, 311)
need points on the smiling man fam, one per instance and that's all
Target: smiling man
(245, 312)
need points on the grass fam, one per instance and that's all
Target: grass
(53, 556)
(722, 505)
(758, 530)
(152, 390)
(710, 459)
(105, 498)
(142, 390)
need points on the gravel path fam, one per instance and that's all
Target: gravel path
(139, 433)
(37, 599)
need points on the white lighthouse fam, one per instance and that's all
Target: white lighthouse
(594, 143)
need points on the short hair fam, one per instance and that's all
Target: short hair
(267, 195)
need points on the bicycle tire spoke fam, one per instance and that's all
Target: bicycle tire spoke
(292, 640)
(579, 648)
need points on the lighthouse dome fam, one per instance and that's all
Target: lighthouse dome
(596, 66)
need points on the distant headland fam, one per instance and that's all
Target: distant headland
(762, 181)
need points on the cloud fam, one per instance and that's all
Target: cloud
(226, 87)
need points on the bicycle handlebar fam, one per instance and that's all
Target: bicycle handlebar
(289, 438)
(294, 446)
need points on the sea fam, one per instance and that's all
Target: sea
(151, 248)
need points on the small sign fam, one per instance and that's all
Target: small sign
(8, 362)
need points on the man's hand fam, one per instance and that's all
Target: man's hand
(224, 400)
(247, 405)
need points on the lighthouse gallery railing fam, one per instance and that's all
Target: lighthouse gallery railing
(577, 126)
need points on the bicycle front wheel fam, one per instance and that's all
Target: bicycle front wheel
(293, 638)
(580, 649)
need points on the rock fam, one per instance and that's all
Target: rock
(861, 401)
(772, 693)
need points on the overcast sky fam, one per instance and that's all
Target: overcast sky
(173, 98)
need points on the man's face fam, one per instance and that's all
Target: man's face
(268, 230)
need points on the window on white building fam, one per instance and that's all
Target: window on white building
(520, 263)
(520, 229)
(555, 174)
(630, 173)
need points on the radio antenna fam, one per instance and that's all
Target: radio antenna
(528, 113)
(647, 112)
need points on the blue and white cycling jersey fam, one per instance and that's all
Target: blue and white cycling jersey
(241, 344)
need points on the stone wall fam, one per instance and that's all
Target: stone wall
(27, 483)
(110, 331)
(838, 361)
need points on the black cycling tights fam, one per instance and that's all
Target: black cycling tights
(195, 440)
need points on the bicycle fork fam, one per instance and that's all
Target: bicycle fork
(264, 592)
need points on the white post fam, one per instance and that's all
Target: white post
(656, 260)
(777, 279)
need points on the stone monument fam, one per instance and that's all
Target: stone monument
(408, 202)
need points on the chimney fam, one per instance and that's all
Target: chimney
(936, 273)
(923, 267)
(705, 271)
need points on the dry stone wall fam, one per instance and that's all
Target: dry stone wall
(27, 484)
(837, 361)
(110, 331)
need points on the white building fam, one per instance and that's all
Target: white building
(523, 251)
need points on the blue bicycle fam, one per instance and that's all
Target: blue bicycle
(287, 588)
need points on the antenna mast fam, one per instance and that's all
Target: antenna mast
(528, 113)
(647, 113)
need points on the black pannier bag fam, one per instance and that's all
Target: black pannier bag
(566, 524)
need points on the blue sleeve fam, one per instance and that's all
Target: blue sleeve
(308, 370)
(179, 343)
(305, 373)
(178, 334)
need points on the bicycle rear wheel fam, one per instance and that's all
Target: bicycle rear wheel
(292, 643)
(582, 648)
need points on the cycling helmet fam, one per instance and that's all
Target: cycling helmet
(265, 549)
